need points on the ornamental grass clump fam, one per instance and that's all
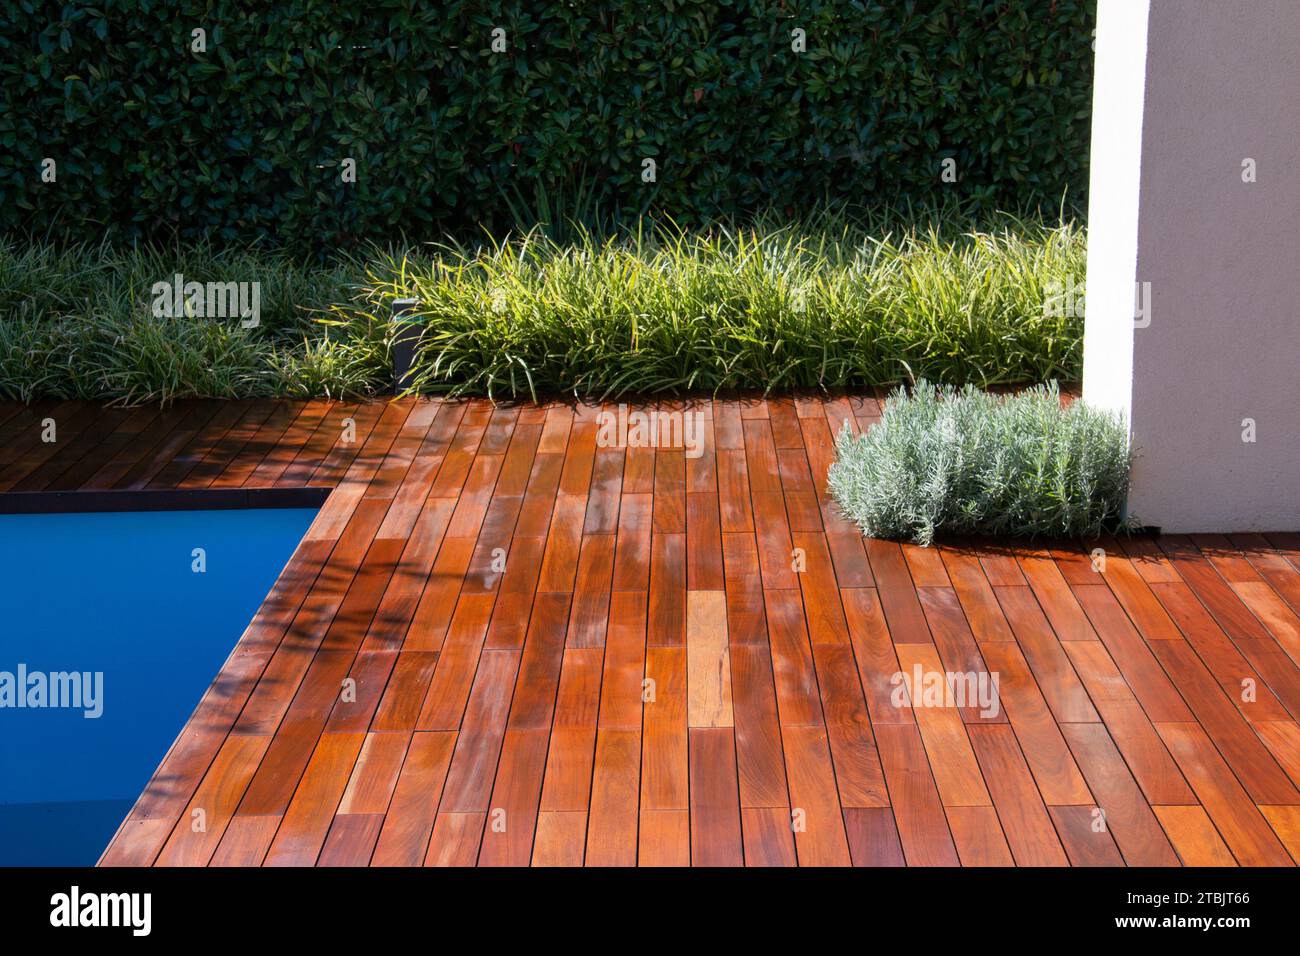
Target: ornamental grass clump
(837, 298)
(963, 461)
(821, 304)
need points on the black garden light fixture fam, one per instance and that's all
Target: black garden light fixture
(407, 327)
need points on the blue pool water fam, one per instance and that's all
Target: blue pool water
(114, 595)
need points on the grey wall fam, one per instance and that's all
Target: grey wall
(1222, 83)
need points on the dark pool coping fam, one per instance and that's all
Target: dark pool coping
(179, 499)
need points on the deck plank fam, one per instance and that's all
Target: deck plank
(1238, 820)
(1028, 827)
(686, 659)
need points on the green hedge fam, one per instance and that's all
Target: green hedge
(244, 140)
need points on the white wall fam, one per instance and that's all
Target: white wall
(1202, 85)
(1115, 164)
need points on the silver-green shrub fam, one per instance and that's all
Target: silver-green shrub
(943, 460)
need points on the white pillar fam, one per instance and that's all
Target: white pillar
(1189, 96)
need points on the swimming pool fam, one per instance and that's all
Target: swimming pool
(112, 626)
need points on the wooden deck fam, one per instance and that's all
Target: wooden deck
(500, 643)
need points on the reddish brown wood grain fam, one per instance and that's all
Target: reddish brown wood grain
(687, 660)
